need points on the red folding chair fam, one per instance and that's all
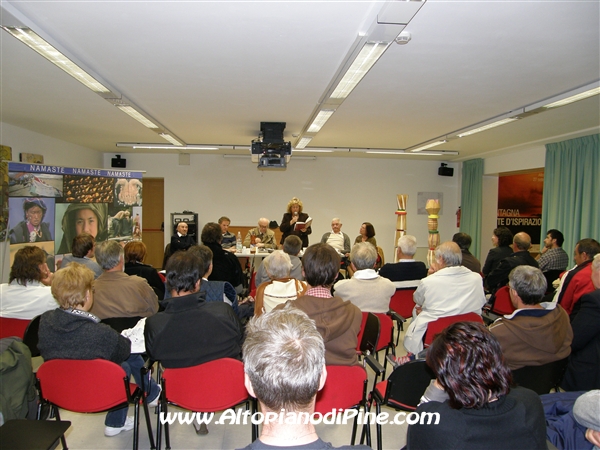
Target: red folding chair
(13, 327)
(402, 305)
(386, 338)
(210, 387)
(437, 326)
(502, 304)
(345, 388)
(89, 386)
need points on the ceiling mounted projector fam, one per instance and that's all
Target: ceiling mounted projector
(270, 151)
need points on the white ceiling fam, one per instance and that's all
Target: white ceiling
(210, 72)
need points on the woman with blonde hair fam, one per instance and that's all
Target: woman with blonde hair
(295, 215)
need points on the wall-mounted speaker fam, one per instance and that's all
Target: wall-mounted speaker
(445, 171)
(118, 162)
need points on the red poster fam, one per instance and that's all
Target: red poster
(520, 203)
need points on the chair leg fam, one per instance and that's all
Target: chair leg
(63, 441)
(136, 424)
(378, 426)
(148, 424)
(354, 426)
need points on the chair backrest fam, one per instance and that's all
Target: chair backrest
(253, 285)
(386, 331)
(502, 304)
(368, 336)
(30, 338)
(121, 323)
(83, 385)
(13, 327)
(407, 383)
(344, 388)
(437, 326)
(402, 302)
(541, 379)
(208, 387)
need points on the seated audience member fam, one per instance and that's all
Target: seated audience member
(82, 249)
(536, 333)
(27, 293)
(292, 246)
(73, 332)
(281, 286)
(337, 320)
(135, 253)
(472, 395)
(552, 256)
(116, 293)
(587, 413)
(181, 240)
(407, 272)
(279, 344)
(226, 266)
(191, 331)
(468, 260)
(583, 370)
(521, 257)
(451, 289)
(562, 429)
(577, 281)
(218, 291)
(502, 239)
(336, 238)
(263, 236)
(228, 240)
(366, 289)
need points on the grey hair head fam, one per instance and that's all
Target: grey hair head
(278, 265)
(108, 254)
(408, 244)
(449, 252)
(529, 282)
(284, 356)
(363, 255)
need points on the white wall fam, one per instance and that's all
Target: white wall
(355, 189)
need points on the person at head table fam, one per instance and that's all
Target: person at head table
(261, 235)
(181, 240)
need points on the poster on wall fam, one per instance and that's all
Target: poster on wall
(50, 205)
(520, 204)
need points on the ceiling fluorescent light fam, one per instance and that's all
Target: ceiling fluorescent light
(398, 152)
(131, 111)
(36, 43)
(303, 142)
(573, 98)
(425, 147)
(171, 139)
(320, 120)
(488, 126)
(308, 150)
(171, 147)
(366, 58)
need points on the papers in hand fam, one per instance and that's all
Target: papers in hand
(298, 226)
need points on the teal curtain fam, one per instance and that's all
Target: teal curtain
(470, 202)
(572, 189)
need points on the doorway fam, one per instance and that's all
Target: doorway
(152, 220)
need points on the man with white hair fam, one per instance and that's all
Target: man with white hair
(583, 371)
(263, 237)
(366, 289)
(449, 290)
(284, 365)
(407, 272)
(336, 238)
(281, 286)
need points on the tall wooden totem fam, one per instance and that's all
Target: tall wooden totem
(433, 208)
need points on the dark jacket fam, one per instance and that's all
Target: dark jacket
(404, 271)
(181, 242)
(226, 266)
(583, 370)
(494, 256)
(499, 276)
(191, 331)
(470, 262)
(78, 335)
(288, 229)
(150, 274)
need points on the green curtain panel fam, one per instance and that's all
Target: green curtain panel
(470, 202)
(572, 189)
